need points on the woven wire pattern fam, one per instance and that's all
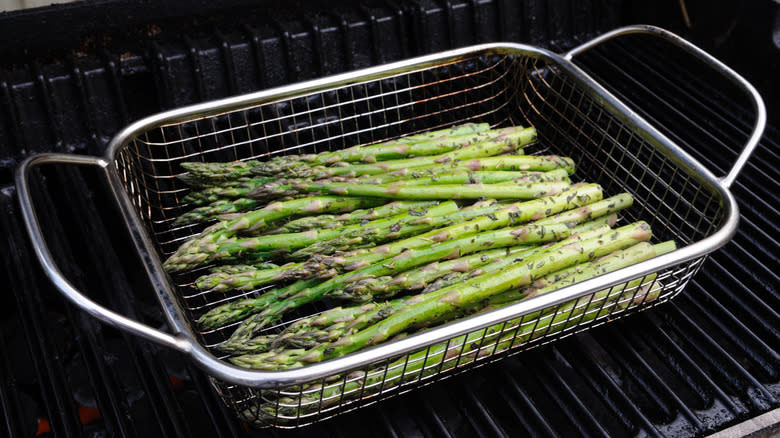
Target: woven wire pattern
(502, 90)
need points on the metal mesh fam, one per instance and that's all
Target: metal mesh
(501, 90)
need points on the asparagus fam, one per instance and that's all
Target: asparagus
(506, 190)
(333, 287)
(256, 305)
(238, 310)
(460, 269)
(204, 174)
(577, 196)
(233, 311)
(428, 143)
(215, 210)
(191, 255)
(442, 356)
(509, 140)
(453, 298)
(490, 164)
(333, 324)
(275, 189)
(235, 269)
(400, 225)
(593, 210)
(251, 279)
(228, 190)
(248, 280)
(434, 143)
(354, 217)
(484, 177)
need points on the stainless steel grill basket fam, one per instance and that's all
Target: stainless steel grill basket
(503, 84)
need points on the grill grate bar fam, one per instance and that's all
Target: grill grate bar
(705, 344)
(586, 346)
(717, 323)
(585, 412)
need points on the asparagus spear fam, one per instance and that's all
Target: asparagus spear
(204, 174)
(235, 269)
(215, 210)
(275, 189)
(354, 217)
(490, 164)
(256, 220)
(434, 143)
(450, 299)
(510, 139)
(228, 190)
(428, 143)
(238, 310)
(399, 225)
(506, 190)
(439, 357)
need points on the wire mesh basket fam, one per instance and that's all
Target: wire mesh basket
(503, 84)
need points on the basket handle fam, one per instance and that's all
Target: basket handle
(758, 103)
(30, 219)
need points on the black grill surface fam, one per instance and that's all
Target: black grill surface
(706, 360)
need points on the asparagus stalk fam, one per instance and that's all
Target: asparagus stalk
(190, 254)
(506, 190)
(434, 143)
(204, 174)
(235, 269)
(275, 189)
(400, 225)
(228, 190)
(593, 210)
(521, 163)
(215, 210)
(509, 140)
(354, 217)
(240, 309)
(455, 176)
(428, 143)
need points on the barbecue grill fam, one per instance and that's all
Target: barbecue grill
(711, 389)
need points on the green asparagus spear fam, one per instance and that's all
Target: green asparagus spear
(400, 225)
(506, 190)
(509, 140)
(256, 220)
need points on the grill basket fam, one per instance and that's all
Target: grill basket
(503, 84)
